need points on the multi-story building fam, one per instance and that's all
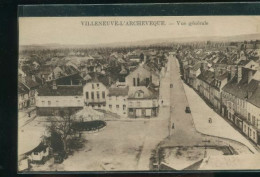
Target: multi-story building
(205, 80)
(252, 125)
(95, 93)
(142, 102)
(194, 72)
(216, 89)
(143, 76)
(240, 98)
(117, 100)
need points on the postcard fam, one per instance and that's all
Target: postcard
(147, 93)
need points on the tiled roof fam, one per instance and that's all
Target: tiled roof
(118, 91)
(241, 89)
(22, 88)
(29, 83)
(97, 77)
(47, 90)
(196, 66)
(207, 76)
(148, 93)
(255, 97)
(222, 76)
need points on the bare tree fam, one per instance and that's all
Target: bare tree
(63, 126)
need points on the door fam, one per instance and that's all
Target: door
(138, 112)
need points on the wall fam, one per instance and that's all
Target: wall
(59, 101)
(115, 104)
(95, 87)
(141, 73)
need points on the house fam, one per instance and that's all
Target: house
(23, 96)
(27, 89)
(95, 91)
(39, 153)
(73, 79)
(252, 123)
(216, 88)
(53, 98)
(205, 80)
(236, 96)
(142, 102)
(142, 76)
(117, 100)
(194, 72)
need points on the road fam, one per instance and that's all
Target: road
(127, 145)
(184, 132)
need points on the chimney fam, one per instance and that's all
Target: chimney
(249, 76)
(54, 85)
(239, 74)
(33, 78)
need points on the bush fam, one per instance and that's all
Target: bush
(88, 126)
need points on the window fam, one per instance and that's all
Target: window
(253, 120)
(49, 102)
(92, 86)
(99, 106)
(117, 106)
(103, 94)
(253, 135)
(138, 81)
(92, 95)
(97, 94)
(134, 81)
(147, 81)
(124, 106)
(97, 85)
(35, 153)
(87, 96)
(110, 106)
(249, 117)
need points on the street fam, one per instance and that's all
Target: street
(128, 144)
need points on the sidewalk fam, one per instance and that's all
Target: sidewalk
(219, 127)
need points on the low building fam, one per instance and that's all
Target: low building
(142, 102)
(39, 153)
(53, 98)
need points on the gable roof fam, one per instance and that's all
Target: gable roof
(148, 93)
(241, 89)
(255, 97)
(207, 76)
(67, 90)
(98, 77)
(118, 91)
(22, 88)
(29, 83)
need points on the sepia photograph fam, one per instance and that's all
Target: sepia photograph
(157, 93)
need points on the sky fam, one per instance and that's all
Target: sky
(69, 30)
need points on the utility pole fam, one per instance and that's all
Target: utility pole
(205, 141)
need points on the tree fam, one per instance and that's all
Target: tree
(63, 127)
